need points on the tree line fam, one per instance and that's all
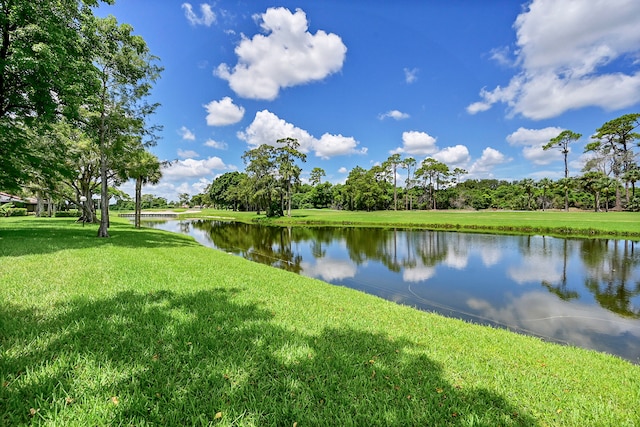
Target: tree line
(74, 109)
(271, 181)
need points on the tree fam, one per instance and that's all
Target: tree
(631, 176)
(272, 172)
(528, 185)
(125, 71)
(457, 174)
(224, 191)
(289, 172)
(434, 171)
(365, 189)
(562, 142)
(591, 182)
(320, 196)
(184, 199)
(83, 156)
(545, 184)
(607, 186)
(408, 163)
(261, 173)
(144, 168)
(614, 139)
(45, 69)
(392, 163)
(316, 176)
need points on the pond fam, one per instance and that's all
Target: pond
(583, 292)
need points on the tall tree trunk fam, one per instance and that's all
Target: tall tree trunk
(618, 206)
(138, 202)
(626, 191)
(104, 199)
(395, 190)
(104, 202)
(566, 177)
(39, 203)
(289, 199)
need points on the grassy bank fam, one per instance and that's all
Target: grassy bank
(149, 328)
(613, 224)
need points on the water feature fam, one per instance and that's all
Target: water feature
(584, 292)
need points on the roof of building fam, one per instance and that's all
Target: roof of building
(10, 198)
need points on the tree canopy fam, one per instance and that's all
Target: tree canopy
(45, 69)
(73, 99)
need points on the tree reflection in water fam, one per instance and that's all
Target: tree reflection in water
(611, 265)
(499, 279)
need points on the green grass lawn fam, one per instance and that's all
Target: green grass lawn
(149, 328)
(548, 222)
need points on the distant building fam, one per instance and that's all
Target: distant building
(30, 203)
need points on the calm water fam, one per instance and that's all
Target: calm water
(584, 292)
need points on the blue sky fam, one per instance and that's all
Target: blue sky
(480, 85)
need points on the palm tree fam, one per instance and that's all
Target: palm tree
(545, 184)
(144, 167)
(589, 183)
(607, 186)
(632, 176)
(528, 185)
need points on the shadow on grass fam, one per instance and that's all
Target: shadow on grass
(203, 358)
(47, 235)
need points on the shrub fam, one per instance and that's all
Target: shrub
(17, 212)
(634, 204)
(67, 214)
(9, 210)
(4, 209)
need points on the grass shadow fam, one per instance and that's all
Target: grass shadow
(200, 358)
(48, 235)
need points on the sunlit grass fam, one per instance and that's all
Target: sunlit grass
(547, 222)
(148, 328)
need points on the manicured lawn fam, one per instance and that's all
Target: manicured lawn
(149, 328)
(547, 222)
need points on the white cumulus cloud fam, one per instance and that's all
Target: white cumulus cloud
(184, 154)
(267, 128)
(191, 168)
(394, 114)
(526, 137)
(336, 145)
(206, 18)
(223, 112)
(216, 144)
(532, 141)
(564, 49)
(417, 143)
(286, 55)
(186, 134)
(457, 155)
(489, 159)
